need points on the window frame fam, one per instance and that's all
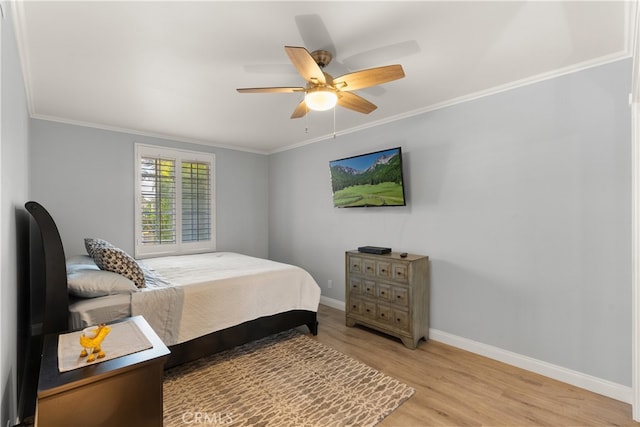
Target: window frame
(178, 156)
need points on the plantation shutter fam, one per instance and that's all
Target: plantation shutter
(196, 201)
(158, 200)
(174, 209)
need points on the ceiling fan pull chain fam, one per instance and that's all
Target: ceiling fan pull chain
(334, 122)
(306, 119)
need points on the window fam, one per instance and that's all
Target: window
(174, 209)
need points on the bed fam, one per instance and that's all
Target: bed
(196, 310)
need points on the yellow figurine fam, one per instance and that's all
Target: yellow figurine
(91, 339)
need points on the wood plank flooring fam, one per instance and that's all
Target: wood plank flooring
(458, 388)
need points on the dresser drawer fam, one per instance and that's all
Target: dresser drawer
(401, 320)
(384, 292)
(385, 313)
(400, 296)
(369, 267)
(369, 288)
(400, 272)
(355, 286)
(355, 264)
(383, 269)
(355, 306)
(369, 309)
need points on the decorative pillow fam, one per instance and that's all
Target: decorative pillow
(90, 244)
(118, 261)
(87, 282)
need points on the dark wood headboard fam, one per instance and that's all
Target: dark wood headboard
(55, 318)
(44, 302)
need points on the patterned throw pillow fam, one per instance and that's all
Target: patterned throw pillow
(118, 261)
(91, 244)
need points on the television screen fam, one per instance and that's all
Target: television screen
(373, 179)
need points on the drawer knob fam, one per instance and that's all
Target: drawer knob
(368, 310)
(381, 314)
(383, 270)
(381, 292)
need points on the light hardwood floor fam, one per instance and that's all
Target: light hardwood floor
(458, 388)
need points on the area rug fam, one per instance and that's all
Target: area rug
(288, 379)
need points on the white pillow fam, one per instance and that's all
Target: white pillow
(91, 282)
(85, 260)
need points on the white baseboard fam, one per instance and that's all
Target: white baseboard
(575, 378)
(578, 379)
(333, 303)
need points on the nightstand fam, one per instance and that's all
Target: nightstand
(123, 391)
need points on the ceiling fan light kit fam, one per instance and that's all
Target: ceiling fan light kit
(323, 92)
(321, 98)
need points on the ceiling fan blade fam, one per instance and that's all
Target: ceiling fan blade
(314, 33)
(270, 89)
(305, 64)
(300, 111)
(355, 102)
(367, 78)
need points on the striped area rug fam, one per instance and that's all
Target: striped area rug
(287, 379)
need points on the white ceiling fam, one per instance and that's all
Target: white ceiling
(170, 69)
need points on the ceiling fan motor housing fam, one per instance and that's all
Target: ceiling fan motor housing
(322, 57)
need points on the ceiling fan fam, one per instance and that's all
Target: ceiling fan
(322, 91)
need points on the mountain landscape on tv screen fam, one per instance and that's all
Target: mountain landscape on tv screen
(376, 183)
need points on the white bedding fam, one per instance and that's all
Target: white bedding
(85, 312)
(224, 289)
(208, 292)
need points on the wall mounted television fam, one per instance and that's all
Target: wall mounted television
(371, 179)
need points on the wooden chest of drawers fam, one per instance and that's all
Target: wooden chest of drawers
(388, 293)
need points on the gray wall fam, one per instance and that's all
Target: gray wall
(522, 200)
(14, 187)
(85, 179)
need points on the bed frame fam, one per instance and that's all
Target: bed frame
(56, 304)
